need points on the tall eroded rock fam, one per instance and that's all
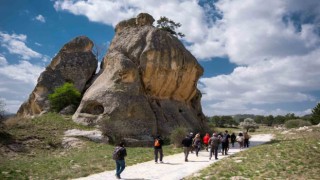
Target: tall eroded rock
(147, 83)
(74, 63)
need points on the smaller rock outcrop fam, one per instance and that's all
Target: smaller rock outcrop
(74, 63)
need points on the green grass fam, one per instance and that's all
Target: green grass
(289, 156)
(44, 158)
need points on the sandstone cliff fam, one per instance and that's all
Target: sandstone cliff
(74, 63)
(147, 83)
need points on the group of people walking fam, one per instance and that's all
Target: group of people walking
(214, 144)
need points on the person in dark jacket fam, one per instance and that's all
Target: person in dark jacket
(233, 139)
(158, 142)
(120, 162)
(225, 143)
(186, 142)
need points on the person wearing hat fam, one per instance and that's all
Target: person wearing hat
(214, 142)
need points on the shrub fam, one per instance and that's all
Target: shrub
(64, 96)
(169, 25)
(177, 135)
(295, 123)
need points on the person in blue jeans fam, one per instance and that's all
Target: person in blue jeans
(120, 162)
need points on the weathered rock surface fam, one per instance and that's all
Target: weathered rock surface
(93, 135)
(148, 82)
(74, 63)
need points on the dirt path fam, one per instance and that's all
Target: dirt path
(174, 166)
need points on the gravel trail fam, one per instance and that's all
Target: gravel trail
(174, 167)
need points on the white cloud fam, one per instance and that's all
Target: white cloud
(24, 72)
(287, 80)
(16, 44)
(16, 82)
(254, 32)
(3, 60)
(38, 44)
(40, 18)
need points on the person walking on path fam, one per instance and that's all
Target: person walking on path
(197, 143)
(206, 140)
(246, 139)
(214, 142)
(118, 155)
(186, 142)
(225, 143)
(233, 139)
(191, 135)
(240, 140)
(158, 142)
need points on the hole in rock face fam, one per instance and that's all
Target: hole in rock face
(93, 108)
(180, 110)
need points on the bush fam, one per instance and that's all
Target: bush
(177, 135)
(295, 123)
(64, 96)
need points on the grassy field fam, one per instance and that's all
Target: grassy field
(291, 155)
(43, 157)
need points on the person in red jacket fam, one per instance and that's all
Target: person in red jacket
(206, 140)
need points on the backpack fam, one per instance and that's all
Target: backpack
(215, 141)
(156, 143)
(116, 153)
(224, 138)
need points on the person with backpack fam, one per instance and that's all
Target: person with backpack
(233, 139)
(225, 143)
(118, 155)
(158, 142)
(214, 142)
(197, 143)
(186, 142)
(206, 140)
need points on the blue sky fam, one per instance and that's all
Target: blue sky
(260, 57)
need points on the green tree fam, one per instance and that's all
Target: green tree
(315, 116)
(279, 119)
(249, 123)
(290, 116)
(268, 120)
(259, 119)
(169, 25)
(64, 96)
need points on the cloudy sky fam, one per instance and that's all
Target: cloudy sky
(260, 57)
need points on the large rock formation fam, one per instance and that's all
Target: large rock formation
(147, 83)
(74, 63)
